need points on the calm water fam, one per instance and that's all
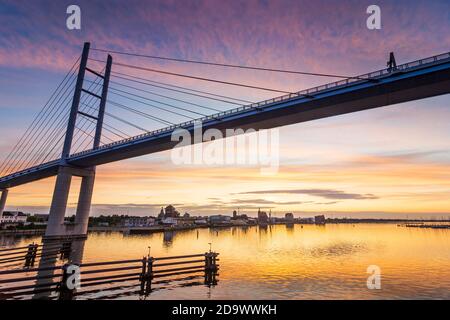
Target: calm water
(313, 262)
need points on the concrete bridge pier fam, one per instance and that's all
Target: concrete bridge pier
(84, 203)
(3, 201)
(56, 227)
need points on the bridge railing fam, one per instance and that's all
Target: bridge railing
(28, 170)
(304, 93)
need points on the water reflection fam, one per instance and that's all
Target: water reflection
(290, 229)
(14, 241)
(168, 238)
(293, 262)
(338, 249)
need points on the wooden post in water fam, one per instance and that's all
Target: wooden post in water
(29, 256)
(210, 268)
(143, 274)
(149, 277)
(206, 261)
(33, 257)
(214, 261)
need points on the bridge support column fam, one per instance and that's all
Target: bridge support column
(84, 203)
(56, 227)
(3, 201)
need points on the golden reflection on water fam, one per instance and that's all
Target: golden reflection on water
(309, 262)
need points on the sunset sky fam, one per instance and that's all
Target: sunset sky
(388, 162)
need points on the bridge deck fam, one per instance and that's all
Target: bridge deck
(411, 81)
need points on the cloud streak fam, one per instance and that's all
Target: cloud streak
(322, 193)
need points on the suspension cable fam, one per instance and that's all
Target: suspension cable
(34, 143)
(105, 125)
(125, 135)
(152, 100)
(144, 114)
(194, 77)
(18, 149)
(149, 82)
(227, 65)
(163, 96)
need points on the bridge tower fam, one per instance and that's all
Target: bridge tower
(4, 195)
(56, 227)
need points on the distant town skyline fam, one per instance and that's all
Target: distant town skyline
(388, 162)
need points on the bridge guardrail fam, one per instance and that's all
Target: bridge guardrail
(28, 170)
(306, 92)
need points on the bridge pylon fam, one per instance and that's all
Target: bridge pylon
(3, 198)
(57, 228)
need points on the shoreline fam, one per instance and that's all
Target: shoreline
(157, 229)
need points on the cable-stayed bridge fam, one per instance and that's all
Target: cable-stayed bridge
(96, 117)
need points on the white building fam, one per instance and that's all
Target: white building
(169, 221)
(139, 222)
(13, 217)
(201, 222)
(220, 219)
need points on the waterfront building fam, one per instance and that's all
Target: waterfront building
(186, 220)
(289, 217)
(238, 222)
(263, 219)
(139, 222)
(220, 220)
(319, 219)
(305, 220)
(275, 220)
(200, 222)
(161, 214)
(237, 216)
(171, 212)
(169, 221)
(13, 217)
